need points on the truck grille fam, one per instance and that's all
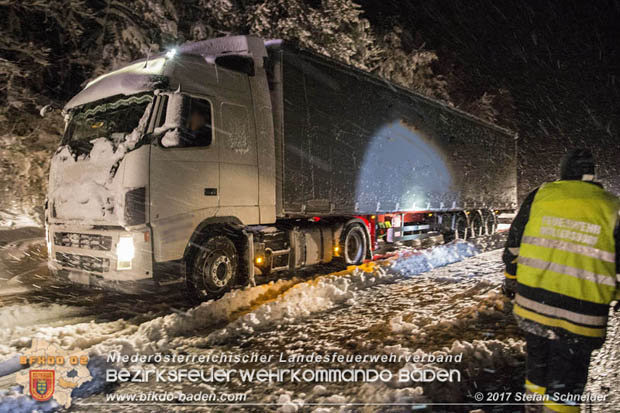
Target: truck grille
(85, 241)
(83, 262)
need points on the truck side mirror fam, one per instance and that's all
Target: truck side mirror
(238, 63)
(172, 138)
(184, 138)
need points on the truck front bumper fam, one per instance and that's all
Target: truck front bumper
(90, 257)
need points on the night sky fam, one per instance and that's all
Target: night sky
(558, 59)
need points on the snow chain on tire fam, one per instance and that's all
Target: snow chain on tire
(213, 269)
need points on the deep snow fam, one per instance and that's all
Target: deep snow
(440, 301)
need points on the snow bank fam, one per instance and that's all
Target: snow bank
(17, 315)
(435, 257)
(16, 220)
(19, 322)
(241, 311)
(158, 335)
(328, 291)
(257, 308)
(152, 336)
(478, 357)
(302, 300)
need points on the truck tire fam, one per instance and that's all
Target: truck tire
(213, 269)
(477, 225)
(461, 227)
(354, 244)
(490, 223)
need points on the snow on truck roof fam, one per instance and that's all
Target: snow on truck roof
(134, 78)
(140, 75)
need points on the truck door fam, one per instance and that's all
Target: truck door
(238, 161)
(184, 171)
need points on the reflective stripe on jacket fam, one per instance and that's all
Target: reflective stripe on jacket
(566, 266)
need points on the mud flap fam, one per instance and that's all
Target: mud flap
(248, 256)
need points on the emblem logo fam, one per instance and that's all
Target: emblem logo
(42, 384)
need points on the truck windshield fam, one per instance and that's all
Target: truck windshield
(118, 120)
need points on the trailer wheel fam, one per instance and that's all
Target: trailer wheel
(477, 225)
(461, 227)
(354, 244)
(490, 223)
(213, 269)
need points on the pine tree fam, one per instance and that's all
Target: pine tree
(49, 49)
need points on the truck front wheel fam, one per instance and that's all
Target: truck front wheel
(354, 244)
(213, 269)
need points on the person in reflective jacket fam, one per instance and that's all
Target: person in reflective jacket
(562, 260)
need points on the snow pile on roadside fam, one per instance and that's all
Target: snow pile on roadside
(435, 257)
(17, 315)
(150, 337)
(157, 335)
(16, 220)
(400, 326)
(489, 305)
(250, 309)
(479, 357)
(328, 291)
(17, 322)
(302, 300)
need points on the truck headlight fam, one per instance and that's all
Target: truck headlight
(125, 253)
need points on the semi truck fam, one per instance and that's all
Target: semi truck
(226, 159)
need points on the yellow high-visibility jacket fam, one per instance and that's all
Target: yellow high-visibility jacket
(566, 259)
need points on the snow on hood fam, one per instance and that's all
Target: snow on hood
(87, 187)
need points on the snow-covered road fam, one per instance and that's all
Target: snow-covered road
(415, 308)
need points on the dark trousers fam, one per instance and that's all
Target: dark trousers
(561, 366)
